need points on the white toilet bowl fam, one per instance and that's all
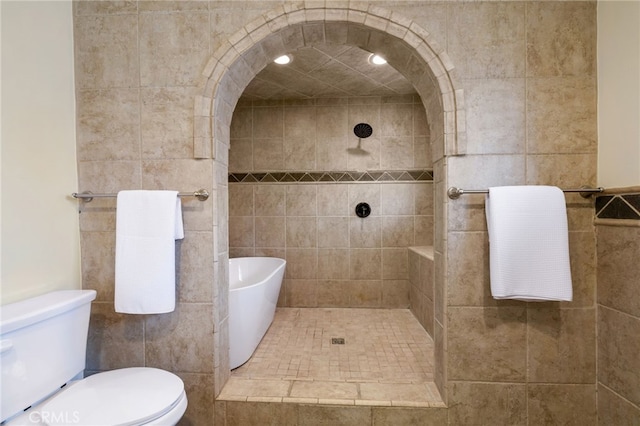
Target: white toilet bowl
(128, 396)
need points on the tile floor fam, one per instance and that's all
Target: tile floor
(386, 360)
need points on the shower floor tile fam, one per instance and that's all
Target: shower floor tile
(386, 359)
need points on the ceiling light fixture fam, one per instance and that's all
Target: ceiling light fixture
(376, 59)
(283, 60)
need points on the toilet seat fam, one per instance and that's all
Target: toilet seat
(124, 397)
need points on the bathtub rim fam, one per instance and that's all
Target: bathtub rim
(281, 265)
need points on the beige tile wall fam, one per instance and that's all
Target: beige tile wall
(334, 258)
(136, 72)
(421, 286)
(317, 135)
(618, 323)
(527, 70)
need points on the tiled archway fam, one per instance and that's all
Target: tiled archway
(406, 46)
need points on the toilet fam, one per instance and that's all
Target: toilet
(43, 343)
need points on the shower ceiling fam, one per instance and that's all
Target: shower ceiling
(325, 71)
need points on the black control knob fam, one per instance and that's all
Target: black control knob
(363, 210)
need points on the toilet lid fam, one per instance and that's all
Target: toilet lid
(123, 397)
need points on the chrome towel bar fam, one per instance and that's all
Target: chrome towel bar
(200, 194)
(455, 193)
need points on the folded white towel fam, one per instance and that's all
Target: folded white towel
(147, 225)
(528, 243)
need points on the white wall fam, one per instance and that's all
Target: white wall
(618, 93)
(40, 248)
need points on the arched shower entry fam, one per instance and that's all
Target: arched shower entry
(406, 46)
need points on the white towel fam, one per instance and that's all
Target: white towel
(528, 243)
(147, 225)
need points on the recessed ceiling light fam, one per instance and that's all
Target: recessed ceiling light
(282, 60)
(376, 59)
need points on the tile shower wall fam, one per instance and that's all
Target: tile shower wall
(136, 71)
(527, 73)
(421, 286)
(618, 233)
(334, 258)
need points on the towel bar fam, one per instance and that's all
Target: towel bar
(455, 193)
(87, 196)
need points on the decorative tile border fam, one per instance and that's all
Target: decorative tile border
(333, 177)
(619, 206)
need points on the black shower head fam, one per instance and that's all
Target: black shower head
(363, 130)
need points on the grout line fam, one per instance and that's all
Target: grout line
(617, 394)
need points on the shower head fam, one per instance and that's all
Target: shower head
(363, 130)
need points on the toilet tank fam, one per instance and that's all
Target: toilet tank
(43, 343)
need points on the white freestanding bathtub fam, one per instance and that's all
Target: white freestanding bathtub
(254, 286)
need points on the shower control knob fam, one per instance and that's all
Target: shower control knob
(363, 210)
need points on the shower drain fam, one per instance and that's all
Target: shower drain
(337, 340)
